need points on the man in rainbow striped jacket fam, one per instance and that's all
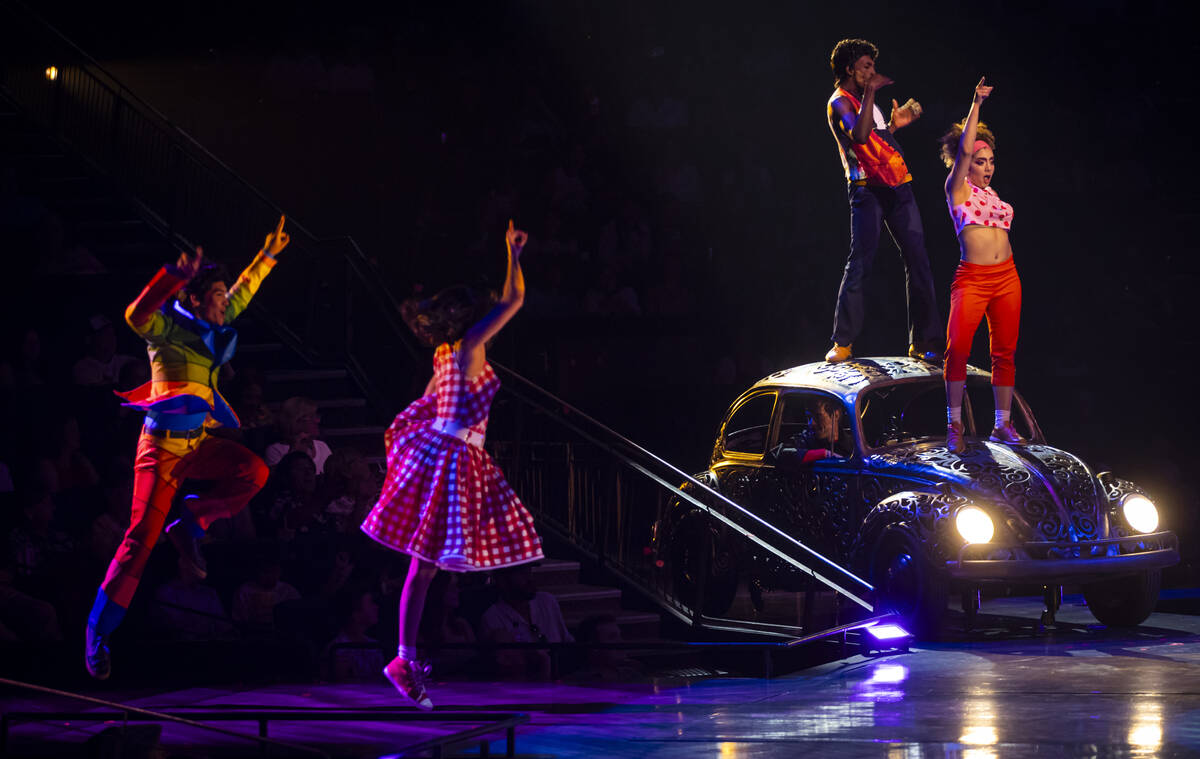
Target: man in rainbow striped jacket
(188, 341)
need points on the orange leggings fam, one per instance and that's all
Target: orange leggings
(978, 290)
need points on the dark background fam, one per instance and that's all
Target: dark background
(419, 128)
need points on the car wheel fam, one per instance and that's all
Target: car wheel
(698, 551)
(1125, 601)
(908, 585)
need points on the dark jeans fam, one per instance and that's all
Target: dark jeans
(870, 208)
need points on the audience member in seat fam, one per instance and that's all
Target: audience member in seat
(349, 490)
(442, 624)
(357, 612)
(523, 614)
(101, 365)
(23, 617)
(255, 601)
(187, 609)
(299, 428)
(294, 507)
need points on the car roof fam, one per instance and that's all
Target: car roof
(848, 378)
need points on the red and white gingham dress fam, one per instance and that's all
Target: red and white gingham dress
(444, 499)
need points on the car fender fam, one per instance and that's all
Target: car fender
(925, 515)
(679, 508)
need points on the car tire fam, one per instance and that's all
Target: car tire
(908, 585)
(697, 546)
(1124, 601)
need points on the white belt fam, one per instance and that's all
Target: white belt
(454, 429)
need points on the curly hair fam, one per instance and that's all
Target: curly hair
(948, 144)
(210, 272)
(446, 316)
(846, 52)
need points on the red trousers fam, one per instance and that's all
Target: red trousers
(978, 290)
(161, 465)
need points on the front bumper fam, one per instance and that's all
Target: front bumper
(1061, 562)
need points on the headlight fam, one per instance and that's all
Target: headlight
(974, 525)
(1140, 512)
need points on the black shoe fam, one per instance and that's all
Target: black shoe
(96, 656)
(188, 547)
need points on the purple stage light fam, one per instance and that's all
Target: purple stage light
(888, 632)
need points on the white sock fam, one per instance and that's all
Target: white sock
(954, 414)
(406, 653)
(1002, 417)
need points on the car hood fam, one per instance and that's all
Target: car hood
(1044, 493)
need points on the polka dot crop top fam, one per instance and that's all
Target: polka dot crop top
(983, 207)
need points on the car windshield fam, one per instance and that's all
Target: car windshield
(911, 411)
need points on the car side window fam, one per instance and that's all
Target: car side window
(746, 431)
(799, 423)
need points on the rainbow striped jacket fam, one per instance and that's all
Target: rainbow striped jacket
(186, 352)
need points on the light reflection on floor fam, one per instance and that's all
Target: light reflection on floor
(1071, 693)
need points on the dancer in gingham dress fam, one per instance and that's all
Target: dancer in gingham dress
(445, 503)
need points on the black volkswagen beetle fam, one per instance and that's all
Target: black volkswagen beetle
(851, 460)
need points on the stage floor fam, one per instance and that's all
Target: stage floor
(1007, 690)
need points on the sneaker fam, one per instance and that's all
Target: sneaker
(838, 353)
(1006, 434)
(188, 547)
(96, 655)
(408, 677)
(954, 438)
(928, 356)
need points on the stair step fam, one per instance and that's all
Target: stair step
(635, 625)
(133, 253)
(305, 375)
(551, 572)
(258, 348)
(326, 403)
(584, 600)
(353, 431)
(582, 593)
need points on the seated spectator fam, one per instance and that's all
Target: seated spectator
(185, 608)
(101, 365)
(609, 296)
(37, 550)
(604, 663)
(256, 418)
(357, 612)
(442, 624)
(23, 365)
(349, 490)
(255, 601)
(523, 614)
(23, 617)
(292, 504)
(299, 428)
(61, 445)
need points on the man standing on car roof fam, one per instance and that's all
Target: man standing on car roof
(880, 192)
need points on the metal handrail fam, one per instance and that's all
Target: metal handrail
(157, 716)
(846, 582)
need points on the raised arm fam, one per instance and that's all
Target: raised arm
(251, 278)
(956, 182)
(144, 314)
(511, 299)
(864, 124)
